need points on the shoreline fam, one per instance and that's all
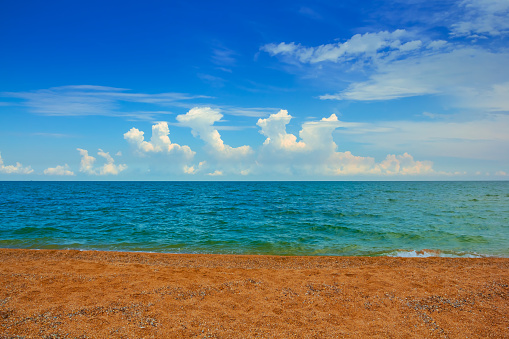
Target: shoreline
(397, 253)
(138, 294)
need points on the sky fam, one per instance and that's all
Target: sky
(254, 90)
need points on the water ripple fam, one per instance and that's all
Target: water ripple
(288, 218)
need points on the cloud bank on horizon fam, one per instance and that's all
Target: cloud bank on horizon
(386, 97)
(315, 154)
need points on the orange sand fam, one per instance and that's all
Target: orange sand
(60, 294)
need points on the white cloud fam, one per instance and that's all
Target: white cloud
(109, 167)
(492, 98)
(482, 138)
(216, 173)
(484, 85)
(254, 112)
(345, 163)
(404, 164)
(14, 169)
(483, 18)
(159, 142)
(374, 46)
(82, 100)
(392, 65)
(59, 170)
(317, 135)
(87, 164)
(316, 152)
(274, 128)
(85, 100)
(411, 45)
(201, 121)
(194, 169)
(437, 44)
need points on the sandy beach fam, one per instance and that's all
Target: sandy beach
(90, 294)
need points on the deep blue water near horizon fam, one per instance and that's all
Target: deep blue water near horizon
(281, 218)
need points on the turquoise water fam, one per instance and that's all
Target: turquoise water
(283, 218)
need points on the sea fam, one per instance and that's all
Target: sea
(406, 219)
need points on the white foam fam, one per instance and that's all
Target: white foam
(426, 253)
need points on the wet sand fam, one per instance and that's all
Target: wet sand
(89, 294)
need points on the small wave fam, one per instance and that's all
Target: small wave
(427, 253)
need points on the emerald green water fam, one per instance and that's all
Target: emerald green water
(283, 218)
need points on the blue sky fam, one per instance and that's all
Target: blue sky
(254, 90)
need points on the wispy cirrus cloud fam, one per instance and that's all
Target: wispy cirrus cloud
(254, 112)
(484, 138)
(482, 19)
(396, 65)
(53, 135)
(441, 73)
(368, 47)
(387, 65)
(83, 100)
(223, 56)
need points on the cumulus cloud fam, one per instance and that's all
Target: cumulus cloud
(159, 142)
(404, 164)
(216, 173)
(59, 170)
(345, 163)
(317, 153)
(87, 164)
(194, 168)
(201, 121)
(14, 169)
(274, 128)
(315, 135)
